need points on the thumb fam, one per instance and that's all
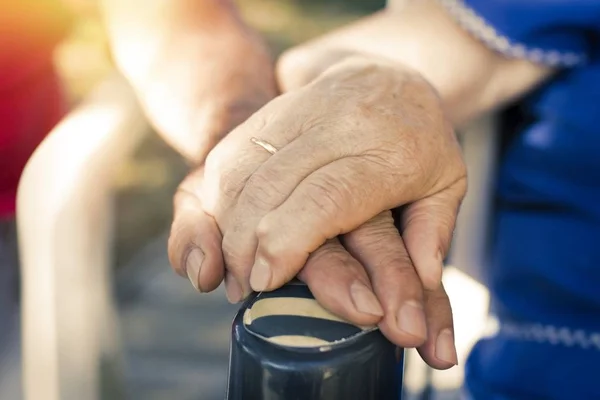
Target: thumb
(427, 226)
(195, 240)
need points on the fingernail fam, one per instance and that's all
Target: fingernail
(411, 319)
(364, 299)
(233, 290)
(260, 277)
(193, 265)
(444, 347)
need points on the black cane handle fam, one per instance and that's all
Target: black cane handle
(284, 345)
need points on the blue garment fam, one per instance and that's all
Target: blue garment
(545, 277)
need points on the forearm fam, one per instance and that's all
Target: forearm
(470, 78)
(196, 68)
(142, 32)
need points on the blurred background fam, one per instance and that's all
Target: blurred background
(174, 342)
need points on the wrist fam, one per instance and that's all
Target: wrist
(301, 66)
(372, 71)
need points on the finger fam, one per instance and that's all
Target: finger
(333, 200)
(439, 350)
(244, 181)
(236, 157)
(194, 244)
(228, 168)
(427, 226)
(233, 289)
(233, 167)
(309, 139)
(341, 285)
(377, 245)
(263, 192)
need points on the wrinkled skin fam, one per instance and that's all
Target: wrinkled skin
(366, 136)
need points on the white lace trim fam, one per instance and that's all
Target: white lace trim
(482, 30)
(553, 335)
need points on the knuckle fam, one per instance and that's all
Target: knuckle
(431, 212)
(234, 259)
(396, 268)
(396, 263)
(231, 183)
(445, 225)
(438, 306)
(399, 276)
(328, 195)
(375, 237)
(414, 214)
(378, 228)
(262, 189)
(438, 295)
(263, 229)
(269, 249)
(333, 255)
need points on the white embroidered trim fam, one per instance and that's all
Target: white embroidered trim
(483, 31)
(548, 334)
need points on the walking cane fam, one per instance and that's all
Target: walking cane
(284, 345)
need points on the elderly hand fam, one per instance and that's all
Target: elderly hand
(363, 138)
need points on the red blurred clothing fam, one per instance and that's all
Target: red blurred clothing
(31, 99)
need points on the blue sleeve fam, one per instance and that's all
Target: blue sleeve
(550, 32)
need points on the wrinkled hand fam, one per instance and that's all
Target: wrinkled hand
(363, 138)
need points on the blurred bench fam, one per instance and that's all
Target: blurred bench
(70, 325)
(64, 217)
